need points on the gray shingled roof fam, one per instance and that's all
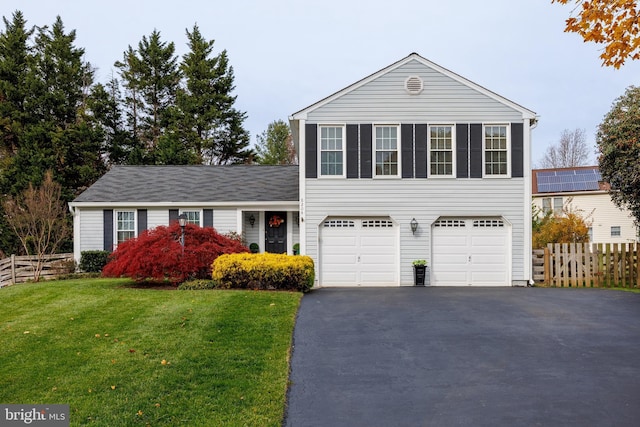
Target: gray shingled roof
(195, 183)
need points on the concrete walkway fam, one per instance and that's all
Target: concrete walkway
(466, 357)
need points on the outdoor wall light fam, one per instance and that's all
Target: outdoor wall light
(182, 221)
(414, 226)
(252, 220)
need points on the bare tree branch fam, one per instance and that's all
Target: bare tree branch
(571, 151)
(38, 218)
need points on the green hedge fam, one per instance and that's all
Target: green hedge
(264, 271)
(93, 261)
(197, 284)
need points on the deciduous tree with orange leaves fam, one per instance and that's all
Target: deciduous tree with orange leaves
(613, 23)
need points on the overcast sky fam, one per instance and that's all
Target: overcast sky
(289, 54)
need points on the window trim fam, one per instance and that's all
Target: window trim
(453, 150)
(343, 126)
(116, 241)
(200, 214)
(508, 149)
(374, 153)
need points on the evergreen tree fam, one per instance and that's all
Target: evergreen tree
(618, 141)
(15, 57)
(275, 145)
(46, 125)
(151, 78)
(119, 144)
(209, 122)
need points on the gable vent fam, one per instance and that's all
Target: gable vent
(413, 85)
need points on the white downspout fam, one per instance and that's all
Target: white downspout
(529, 125)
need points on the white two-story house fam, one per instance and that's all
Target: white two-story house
(412, 162)
(415, 162)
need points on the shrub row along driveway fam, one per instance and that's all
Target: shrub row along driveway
(462, 357)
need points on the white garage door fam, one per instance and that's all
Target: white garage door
(471, 252)
(358, 252)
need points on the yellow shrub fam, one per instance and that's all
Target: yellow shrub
(264, 271)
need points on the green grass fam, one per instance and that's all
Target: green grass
(99, 346)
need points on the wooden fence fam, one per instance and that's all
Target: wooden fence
(20, 269)
(586, 264)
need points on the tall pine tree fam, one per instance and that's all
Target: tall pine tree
(151, 78)
(44, 83)
(15, 57)
(210, 123)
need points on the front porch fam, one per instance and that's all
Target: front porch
(275, 231)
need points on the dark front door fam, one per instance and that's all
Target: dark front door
(276, 232)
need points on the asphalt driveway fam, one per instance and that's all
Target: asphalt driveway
(466, 357)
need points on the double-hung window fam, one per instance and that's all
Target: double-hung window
(332, 151)
(125, 225)
(386, 150)
(496, 150)
(441, 150)
(556, 208)
(193, 217)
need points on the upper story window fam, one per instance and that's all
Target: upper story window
(496, 150)
(615, 231)
(125, 225)
(386, 148)
(441, 150)
(193, 217)
(332, 150)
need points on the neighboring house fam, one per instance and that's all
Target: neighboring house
(247, 199)
(415, 143)
(581, 189)
(411, 162)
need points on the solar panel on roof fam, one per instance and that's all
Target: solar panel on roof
(568, 180)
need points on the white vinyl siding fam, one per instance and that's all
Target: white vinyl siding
(441, 150)
(386, 148)
(332, 147)
(496, 150)
(156, 217)
(385, 99)
(91, 230)
(226, 220)
(426, 200)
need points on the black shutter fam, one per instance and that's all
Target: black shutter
(311, 150)
(421, 151)
(142, 220)
(173, 215)
(107, 225)
(406, 137)
(366, 170)
(517, 150)
(462, 150)
(207, 218)
(475, 150)
(352, 151)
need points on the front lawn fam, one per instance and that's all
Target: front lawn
(121, 356)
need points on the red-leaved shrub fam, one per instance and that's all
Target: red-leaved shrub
(156, 254)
